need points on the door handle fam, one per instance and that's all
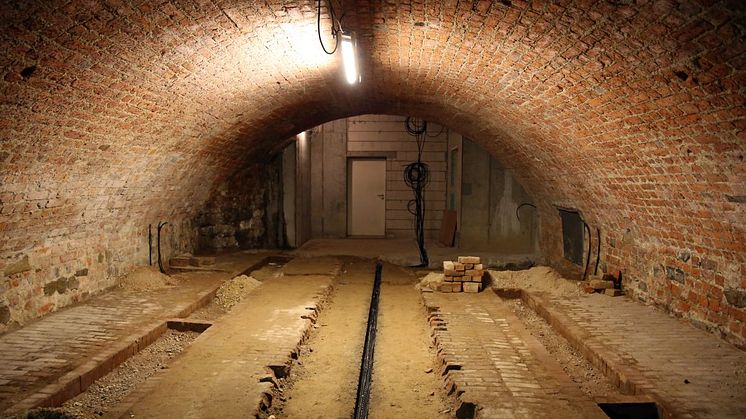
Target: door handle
(380, 196)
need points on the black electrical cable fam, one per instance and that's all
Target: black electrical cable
(525, 204)
(150, 244)
(588, 257)
(442, 128)
(415, 126)
(369, 349)
(598, 250)
(416, 177)
(160, 264)
(335, 30)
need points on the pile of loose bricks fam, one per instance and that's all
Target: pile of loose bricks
(463, 275)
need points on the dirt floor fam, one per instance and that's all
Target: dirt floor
(590, 380)
(406, 382)
(539, 279)
(108, 391)
(323, 381)
(223, 374)
(234, 290)
(271, 270)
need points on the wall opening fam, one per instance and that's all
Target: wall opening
(572, 235)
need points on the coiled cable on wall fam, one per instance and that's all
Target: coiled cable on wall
(525, 204)
(416, 177)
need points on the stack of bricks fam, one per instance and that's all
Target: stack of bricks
(464, 275)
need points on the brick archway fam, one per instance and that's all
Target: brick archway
(119, 112)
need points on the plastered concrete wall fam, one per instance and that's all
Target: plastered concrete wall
(386, 136)
(303, 221)
(373, 136)
(329, 180)
(489, 202)
(289, 168)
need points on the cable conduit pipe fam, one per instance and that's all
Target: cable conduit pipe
(150, 244)
(160, 263)
(588, 256)
(598, 250)
(366, 365)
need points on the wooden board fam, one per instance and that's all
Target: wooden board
(447, 228)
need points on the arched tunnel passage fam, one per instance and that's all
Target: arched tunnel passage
(117, 115)
(318, 187)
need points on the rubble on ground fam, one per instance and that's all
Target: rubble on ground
(233, 291)
(146, 278)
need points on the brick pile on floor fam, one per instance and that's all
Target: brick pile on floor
(462, 275)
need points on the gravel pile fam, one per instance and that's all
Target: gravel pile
(235, 290)
(146, 278)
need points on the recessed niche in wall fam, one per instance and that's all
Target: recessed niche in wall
(572, 235)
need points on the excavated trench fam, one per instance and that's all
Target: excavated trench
(320, 379)
(108, 394)
(323, 380)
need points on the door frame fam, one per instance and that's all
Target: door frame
(350, 159)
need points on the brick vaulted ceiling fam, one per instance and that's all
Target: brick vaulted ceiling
(632, 111)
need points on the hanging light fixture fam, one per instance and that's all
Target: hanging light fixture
(349, 59)
(348, 41)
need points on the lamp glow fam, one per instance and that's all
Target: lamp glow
(349, 60)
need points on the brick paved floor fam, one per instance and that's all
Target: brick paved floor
(225, 373)
(42, 352)
(691, 372)
(496, 364)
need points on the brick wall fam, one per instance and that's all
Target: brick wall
(72, 265)
(118, 112)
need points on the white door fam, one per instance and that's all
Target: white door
(367, 209)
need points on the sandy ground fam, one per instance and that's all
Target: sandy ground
(234, 290)
(539, 278)
(146, 278)
(219, 376)
(404, 252)
(545, 280)
(406, 383)
(323, 383)
(115, 386)
(319, 265)
(272, 270)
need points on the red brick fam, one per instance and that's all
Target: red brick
(125, 129)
